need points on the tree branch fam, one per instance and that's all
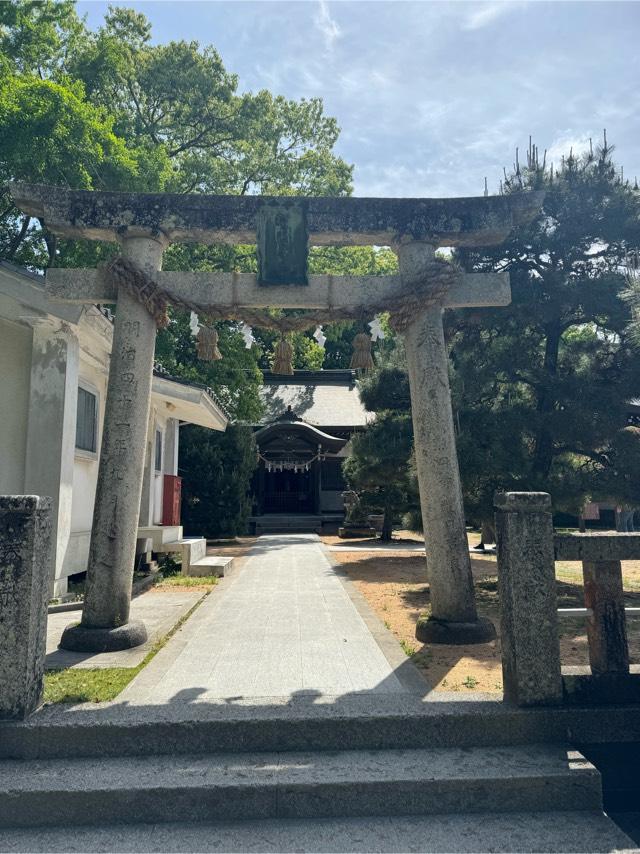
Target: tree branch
(17, 240)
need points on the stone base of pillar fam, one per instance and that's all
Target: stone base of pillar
(431, 630)
(79, 638)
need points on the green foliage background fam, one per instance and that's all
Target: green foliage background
(216, 469)
(109, 110)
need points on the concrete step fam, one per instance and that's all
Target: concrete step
(308, 524)
(160, 535)
(357, 721)
(217, 565)
(197, 547)
(296, 785)
(582, 831)
(191, 550)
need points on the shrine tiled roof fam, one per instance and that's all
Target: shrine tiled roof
(321, 398)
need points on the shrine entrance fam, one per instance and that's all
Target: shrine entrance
(291, 454)
(282, 229)
(289, 491)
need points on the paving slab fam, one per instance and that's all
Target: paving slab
(159, 610)
(517, 832)
(286, 623)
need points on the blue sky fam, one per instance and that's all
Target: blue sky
(432, 97)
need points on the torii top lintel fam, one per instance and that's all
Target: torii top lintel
(336, 221)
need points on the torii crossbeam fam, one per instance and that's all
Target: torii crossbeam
(144, 224)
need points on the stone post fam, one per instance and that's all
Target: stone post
(25, 551)
(453, 619)
(606, 624)
(528, 601)
(105, 621)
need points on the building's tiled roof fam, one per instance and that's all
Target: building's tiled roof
(159, 371)
(22, 271)
(321, 398)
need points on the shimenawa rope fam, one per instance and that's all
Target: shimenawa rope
(435, 279)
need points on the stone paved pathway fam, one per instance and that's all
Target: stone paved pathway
(284, 624)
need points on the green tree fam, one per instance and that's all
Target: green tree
(541, 387)
(37, 37)
(111, 110)
(378, 468)
(49, 133)
(216, 468)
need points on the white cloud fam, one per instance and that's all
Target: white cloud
(486, 13)
(398, 179)
(568, 141)
(327, 26)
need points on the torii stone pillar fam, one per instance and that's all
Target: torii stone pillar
(453, 618)
(105, 621)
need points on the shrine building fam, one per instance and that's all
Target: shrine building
(303, 439)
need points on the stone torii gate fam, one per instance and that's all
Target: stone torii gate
(145, 224)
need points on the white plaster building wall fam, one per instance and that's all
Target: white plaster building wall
(152, 483)
(163, 422)
(15, 369)
(171, 446)
(158, 474)
(85, 474)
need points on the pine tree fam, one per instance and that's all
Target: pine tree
(380, 468)
(541, 387)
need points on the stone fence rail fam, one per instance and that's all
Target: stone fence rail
(527, 551)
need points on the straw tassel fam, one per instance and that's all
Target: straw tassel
(207, 344)
(282, 358)
(362, 360)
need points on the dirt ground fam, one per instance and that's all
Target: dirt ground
(237, 547)
(395, 586)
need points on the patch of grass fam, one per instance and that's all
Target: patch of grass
(470, 682)
(425, 614)
(187, 581)
(86, 686)
(408, 648)
(387, 625)
(101, 684)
